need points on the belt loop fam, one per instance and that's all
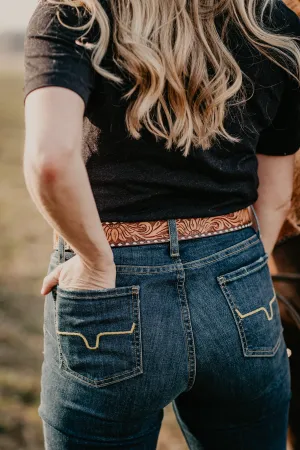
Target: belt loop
(174, 244)
(256, 220)
(61, 250)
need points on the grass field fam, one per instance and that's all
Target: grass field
(25, 245)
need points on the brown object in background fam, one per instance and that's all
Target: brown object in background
(25, 246)
(293, 4)
(291, 226)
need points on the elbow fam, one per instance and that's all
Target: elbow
(285, 205)
(282, 206)
(47, 166)
(48, 172)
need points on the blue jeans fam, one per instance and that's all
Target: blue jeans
(195, 323)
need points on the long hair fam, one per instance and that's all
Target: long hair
(184, 76)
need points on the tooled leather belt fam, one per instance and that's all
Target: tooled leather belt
(121, 234)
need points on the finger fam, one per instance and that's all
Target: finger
(51, 280)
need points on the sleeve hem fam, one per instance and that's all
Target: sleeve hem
(39, 83)
(287, 152)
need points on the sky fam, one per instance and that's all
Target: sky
(15, 14)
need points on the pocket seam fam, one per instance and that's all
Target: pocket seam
(223, 254)
(238, 321)
(223, 281)
(138, 369)
(105, 293)
(243, 271)
(105, 381)
(136, 311)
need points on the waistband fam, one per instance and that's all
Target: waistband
(122, 234)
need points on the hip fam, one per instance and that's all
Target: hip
(206, 319)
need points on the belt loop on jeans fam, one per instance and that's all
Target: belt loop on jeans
(174, 244)
(256, 220)
(61, 250)
(122, 234)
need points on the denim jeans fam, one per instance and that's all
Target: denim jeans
(195, 323)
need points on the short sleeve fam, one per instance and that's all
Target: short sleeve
(282, 137)
(53, 54)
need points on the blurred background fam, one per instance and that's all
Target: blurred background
(25, 246)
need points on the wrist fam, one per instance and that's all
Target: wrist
(98, 260)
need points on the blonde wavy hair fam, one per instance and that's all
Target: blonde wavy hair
(184, 77)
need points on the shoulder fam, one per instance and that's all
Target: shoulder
(49, 17)
(281, 19)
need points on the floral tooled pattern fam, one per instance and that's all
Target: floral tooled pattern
(122, 233)
(138, 232)
(211, 225)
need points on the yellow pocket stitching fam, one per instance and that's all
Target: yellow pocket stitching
(107, 333)
(269, 316)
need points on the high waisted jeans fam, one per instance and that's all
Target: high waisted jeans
(195, 323)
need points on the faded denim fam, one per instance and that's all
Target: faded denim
(195, 323)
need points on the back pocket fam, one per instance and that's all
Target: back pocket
(251, 297)
(99, 334)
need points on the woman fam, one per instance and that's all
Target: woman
(152, 116)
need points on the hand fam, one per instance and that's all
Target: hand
(272, 265)
(76, 275)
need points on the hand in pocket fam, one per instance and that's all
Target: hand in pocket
(74, 275)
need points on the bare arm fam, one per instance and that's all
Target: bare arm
(275, 191)
(56, 176)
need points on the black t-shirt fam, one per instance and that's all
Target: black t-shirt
(139, 179)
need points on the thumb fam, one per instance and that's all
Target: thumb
(51, 280)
